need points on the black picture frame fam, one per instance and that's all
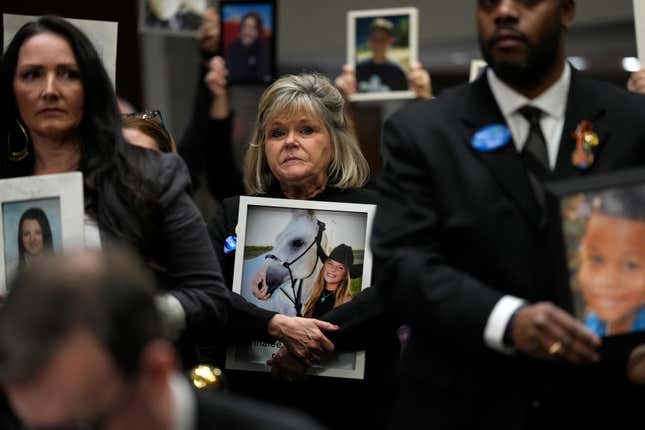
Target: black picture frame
(254, 65)
(600, 195)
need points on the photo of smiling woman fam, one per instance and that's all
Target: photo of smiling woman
(332, 286)
(34, 236)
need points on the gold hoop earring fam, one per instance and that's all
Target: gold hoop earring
(20, 155)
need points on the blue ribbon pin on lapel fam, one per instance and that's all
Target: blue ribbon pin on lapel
(491, 137)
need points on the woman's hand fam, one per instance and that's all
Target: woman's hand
(216, 81)
(285, 366)
(346, 81)
(636, 82)
(420, 82)
(261, 293)
(303, 337)
(209, 32)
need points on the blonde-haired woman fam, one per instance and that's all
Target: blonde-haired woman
(303, 141)
(332, 286)
(305, 148)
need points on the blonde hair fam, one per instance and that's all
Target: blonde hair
(343, 292)
(313, 94)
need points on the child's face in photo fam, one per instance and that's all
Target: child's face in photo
(379, 41)
(612, 266)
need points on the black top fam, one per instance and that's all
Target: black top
(378, 77)
(248, 63)
(324, 304)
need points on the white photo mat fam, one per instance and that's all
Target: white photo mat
(476, 66)
(67, 188)
(639, 22)
(253, 356)
(413, 48)
(102, 34)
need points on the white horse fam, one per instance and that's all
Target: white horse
(290, 267)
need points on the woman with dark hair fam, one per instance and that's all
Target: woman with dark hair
(34, 235)
(59, 114)
(247, 58)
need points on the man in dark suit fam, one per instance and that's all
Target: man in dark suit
(82, 346)
(467, 239)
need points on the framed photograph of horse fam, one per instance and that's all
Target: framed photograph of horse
(38, 214)
(301, 258)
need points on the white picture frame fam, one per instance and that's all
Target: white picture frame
(271, 232)
(180, 18)
(357, 20)
(477, 67)
(639, 22)
(102, 34)
(58, 197)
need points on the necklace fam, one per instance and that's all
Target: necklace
(326, 294)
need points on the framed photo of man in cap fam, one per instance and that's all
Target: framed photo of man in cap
(382, 44)
(300, 258)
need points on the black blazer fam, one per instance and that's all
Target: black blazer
(175, 246)
(457, 229)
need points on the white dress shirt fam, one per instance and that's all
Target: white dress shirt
(553, 103)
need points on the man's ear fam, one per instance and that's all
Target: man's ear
(158, 361)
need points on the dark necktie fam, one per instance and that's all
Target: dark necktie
(534, 153)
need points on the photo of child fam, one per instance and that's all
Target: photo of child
(608, 259)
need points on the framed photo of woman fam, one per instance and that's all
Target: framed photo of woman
(603, 226)
(301, 258)
(382, 44)
(38, 214)
(248, 40)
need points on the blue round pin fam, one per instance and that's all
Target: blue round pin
(230, 244)
(491, 137)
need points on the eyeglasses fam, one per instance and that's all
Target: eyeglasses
(154, 121)
(150, 115)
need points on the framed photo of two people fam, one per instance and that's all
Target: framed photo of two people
(382, 44)
(38, 214)
(603, 225)
(301, 258)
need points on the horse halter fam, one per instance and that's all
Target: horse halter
(296, 300)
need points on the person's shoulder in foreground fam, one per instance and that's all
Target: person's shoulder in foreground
(226, 411)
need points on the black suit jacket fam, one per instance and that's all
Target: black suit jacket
(457, 229)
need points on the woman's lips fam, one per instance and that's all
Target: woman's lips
(290, 160)
(51, 111)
